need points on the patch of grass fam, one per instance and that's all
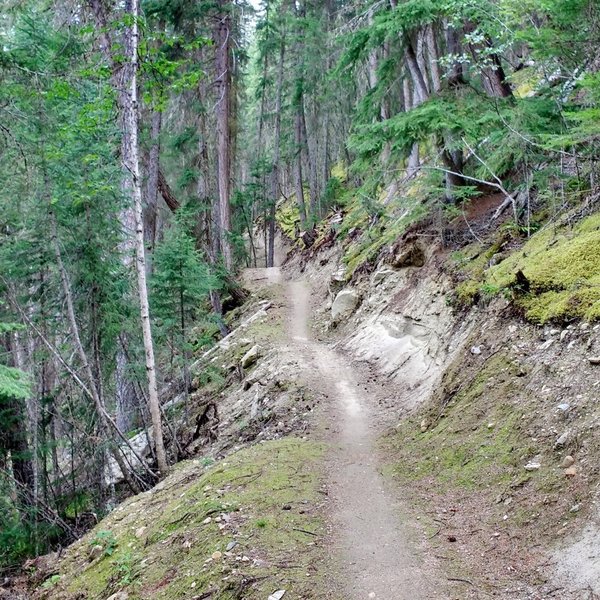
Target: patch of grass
(172, 542)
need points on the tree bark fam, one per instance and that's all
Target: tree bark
(274, 193)
(130, 121)
(152, 183)
(433, 56)
(222, 36)
(298, 180)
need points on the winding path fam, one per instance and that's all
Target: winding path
(379, 557)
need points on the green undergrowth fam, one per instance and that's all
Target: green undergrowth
(244, 528)
(561, 264)
(473, 439)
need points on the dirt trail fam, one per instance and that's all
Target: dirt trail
(377, 554)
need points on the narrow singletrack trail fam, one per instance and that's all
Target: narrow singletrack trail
(376, 554)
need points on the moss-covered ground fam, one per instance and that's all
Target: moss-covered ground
(243, 528)
(561, 265)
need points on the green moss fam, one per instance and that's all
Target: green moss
(166, 539)
(288, 219)
(474, 441)
(374, 239)
(562, 266)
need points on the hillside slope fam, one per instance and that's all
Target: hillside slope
(405, 443)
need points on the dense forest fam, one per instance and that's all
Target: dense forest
(150, 151)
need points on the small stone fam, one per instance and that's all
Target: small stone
(476, 350)
(565, 407)
(568, 461)
(278, 595)
(372, 595)
(575, 508)
(286, 507)
(533, 465)
(231, 545)
(424, 425)
(251, 357)
(216, 555)
(491, 425)
(119, 596)
(382, 275)
(594, 360)
(96, 551)
(345, 304)
(140, 532)
(562, 440)
(571, 472)
(207, 521)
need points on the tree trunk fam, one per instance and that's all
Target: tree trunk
(276, 157)
(298, 180)
(152, 184)
(433, 56)
(413, 159)
(222, 37)
(420, 91)
(453, 48)
(131, 117)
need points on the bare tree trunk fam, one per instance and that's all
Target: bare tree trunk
(150, 219)
(433, 56)
(420, 91)
(276, 157)
(299, 123)
(413, 159)
(131, 118)
(309, 142)
(455, 76)
(299, 184)
(223, 110)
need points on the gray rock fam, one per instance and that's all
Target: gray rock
(564, 408)
(251, 357)
(476, 350)
(533, 465)
(345, 304)
(337, 281)
(119, 596)
(382, 275)
(568, 461)
(594, 360)
(562, 440)
(96, 551)
(546, 344)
